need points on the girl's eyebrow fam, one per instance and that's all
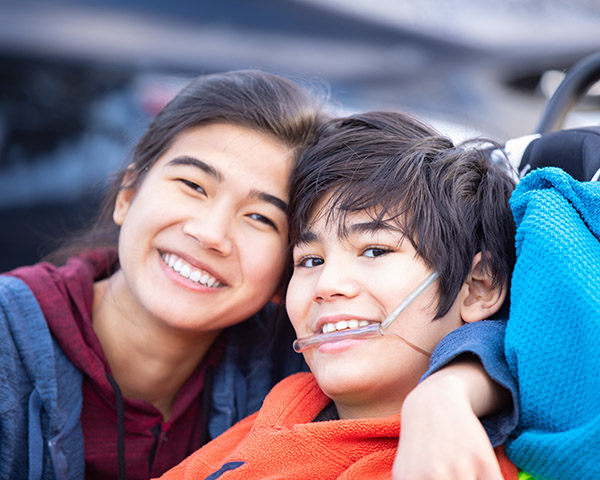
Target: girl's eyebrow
(272, 199)
(219, 176)
(194, 162)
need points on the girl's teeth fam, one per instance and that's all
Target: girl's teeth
(195, 276)
(186, 271)
(363, 323)
(353, 323)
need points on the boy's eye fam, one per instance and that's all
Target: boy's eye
(375, 251)
(310, 262)
(192, 185)
(262, 219)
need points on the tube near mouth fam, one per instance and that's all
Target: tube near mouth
(302, 344)
(369, 331)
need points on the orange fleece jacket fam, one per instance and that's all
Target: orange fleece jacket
(282, 441)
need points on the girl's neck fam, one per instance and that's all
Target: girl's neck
(149, 360)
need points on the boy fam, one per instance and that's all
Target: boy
(378, 204)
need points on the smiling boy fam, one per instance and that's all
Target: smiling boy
(379, 203)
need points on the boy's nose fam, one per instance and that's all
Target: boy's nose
(336, 281)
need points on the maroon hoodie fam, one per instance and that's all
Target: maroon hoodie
(151, 446)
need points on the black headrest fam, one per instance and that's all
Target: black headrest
(576, 151)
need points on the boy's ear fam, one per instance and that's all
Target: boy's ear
(124, 197)
(480, 299)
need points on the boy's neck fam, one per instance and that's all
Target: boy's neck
(148, 361)
(370, 406)
(349, 412)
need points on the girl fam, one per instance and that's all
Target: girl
(129, 347)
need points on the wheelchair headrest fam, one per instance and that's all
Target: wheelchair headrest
(576, 151)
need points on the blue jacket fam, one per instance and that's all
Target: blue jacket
(40, 398)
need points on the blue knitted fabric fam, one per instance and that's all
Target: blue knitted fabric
(553, 333)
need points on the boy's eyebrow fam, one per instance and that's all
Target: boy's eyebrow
(307, 237)
(372, 226)
(218, 176)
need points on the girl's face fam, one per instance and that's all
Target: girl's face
(345, 282)
(203, 239)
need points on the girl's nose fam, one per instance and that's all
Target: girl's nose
(211, 229)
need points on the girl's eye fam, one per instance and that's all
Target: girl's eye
(310, 262)
(262, 219)
(193, 186)
(375, 251)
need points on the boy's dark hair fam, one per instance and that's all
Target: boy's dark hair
(449, 202)
(258, 100)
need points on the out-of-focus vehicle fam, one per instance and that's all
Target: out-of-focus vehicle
(81, 79)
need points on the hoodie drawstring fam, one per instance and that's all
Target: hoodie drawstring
(206, 404)
(120, 427)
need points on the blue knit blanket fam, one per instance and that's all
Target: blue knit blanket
(553, 334)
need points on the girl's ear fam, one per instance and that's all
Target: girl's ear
(124, 197)
(480, 299)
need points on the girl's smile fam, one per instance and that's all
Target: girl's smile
(203, 238)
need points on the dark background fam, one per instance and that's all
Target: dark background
(80, 79)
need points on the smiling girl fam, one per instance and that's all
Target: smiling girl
(129, 345)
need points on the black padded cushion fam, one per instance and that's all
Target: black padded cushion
(576, 151)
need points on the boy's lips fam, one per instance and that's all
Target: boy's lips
(194, 273)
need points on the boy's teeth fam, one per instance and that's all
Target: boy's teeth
(187, 271)
(328, 328)
(343, 325)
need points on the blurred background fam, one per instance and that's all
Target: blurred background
(81, 79)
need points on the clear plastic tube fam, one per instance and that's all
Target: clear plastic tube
(369, 331)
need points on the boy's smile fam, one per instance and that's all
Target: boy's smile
(357, 279)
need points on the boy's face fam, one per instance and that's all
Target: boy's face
(347, 281)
